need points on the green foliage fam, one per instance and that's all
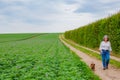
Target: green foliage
(91, 35)
(16, 37)
(91, 53)
(41, 58)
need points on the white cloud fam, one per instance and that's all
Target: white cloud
(8, 1)
(108, 1)
(45, 15)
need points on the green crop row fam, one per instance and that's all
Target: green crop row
(16, 37)
(92, 34)
(41, 58)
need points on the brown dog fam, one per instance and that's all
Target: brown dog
(92, 66)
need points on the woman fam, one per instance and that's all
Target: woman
(105, 49)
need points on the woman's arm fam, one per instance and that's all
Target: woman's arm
(110, 47)
(100, 47)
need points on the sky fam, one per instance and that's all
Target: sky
(43, 16)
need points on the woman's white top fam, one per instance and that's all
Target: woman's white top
(105, 46)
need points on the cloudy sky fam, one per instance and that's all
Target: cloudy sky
(52, 15)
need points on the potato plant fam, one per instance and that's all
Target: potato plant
(41, 58)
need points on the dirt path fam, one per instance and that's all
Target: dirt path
(112, 57)
(109, 74)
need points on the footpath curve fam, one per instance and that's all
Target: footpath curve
(110, 74)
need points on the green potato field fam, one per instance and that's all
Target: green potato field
(42, 57)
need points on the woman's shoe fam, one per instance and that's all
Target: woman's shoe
(107, 67)
(104, 68)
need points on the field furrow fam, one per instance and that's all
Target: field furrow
(43, 57)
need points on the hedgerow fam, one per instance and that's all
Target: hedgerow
(92, 34)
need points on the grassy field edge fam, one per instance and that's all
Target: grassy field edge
(91, 53)
(74, 53)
